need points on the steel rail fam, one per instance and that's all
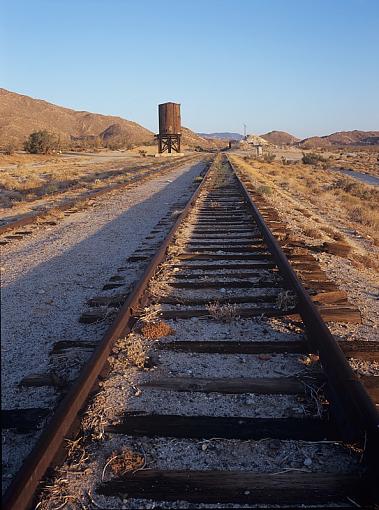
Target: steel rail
(354, 412)
(33, 217)
(20, 492)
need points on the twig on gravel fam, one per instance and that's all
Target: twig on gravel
(149, 313)
(112, 458)
(90, 497)
(353, 502)
(288, 470)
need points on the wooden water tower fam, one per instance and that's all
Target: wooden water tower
(169, 128)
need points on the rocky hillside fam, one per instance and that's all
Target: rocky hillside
(280, 138)
(341, 138)
(21, 115)
(193, 139)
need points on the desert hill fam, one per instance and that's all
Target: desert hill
(280, 138)
(20, 115)
(341, 138)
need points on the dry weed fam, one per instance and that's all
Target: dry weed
(311, 232)
(57, 495)
(125, 462)
(76, 452)
(310, 359)
(150, 313)
(286, 300)
(158, 288)
(222, 312)
(137, 353)
(94, 421)
(156, 329)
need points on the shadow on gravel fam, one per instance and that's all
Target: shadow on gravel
(44, 304)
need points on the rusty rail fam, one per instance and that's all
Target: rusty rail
(33, 217)
(352, 408)
(21, 490)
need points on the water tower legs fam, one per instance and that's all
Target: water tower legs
(168, 143)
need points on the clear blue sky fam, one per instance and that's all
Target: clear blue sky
(308, 67)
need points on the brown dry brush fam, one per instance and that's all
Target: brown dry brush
(156, 329)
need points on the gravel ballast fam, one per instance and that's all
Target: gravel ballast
(48, 276)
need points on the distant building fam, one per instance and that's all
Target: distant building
(255, 144)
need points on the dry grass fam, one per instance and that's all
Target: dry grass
(156, 329)
(58, 496)
(222, 312)
(342, 198)
(125, 462)
(312, 233)
(30, 177)
(137, 353)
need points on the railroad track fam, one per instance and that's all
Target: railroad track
(14, 229)
(219, 382)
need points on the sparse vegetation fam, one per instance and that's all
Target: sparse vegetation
(125, 462)
(156, 329)
(269, 157)
(327, 199)
(9, 149)
(312, 158)
(137, 353)
(222, 312)
(31, 176)
(264, 190)
(312, 233)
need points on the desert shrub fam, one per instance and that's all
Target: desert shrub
(142, 153)
(157, 329)
(286, 161)
(9, 149)
(264, 190)
(312, 158)
(356, 189)
(41, 142)
(269, 157)
(117, 142)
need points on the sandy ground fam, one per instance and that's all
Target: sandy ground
(48, 276)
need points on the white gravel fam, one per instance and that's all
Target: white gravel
(48, 276)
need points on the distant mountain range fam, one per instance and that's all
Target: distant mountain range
(21, 115)
(222, 136)
(339, 138)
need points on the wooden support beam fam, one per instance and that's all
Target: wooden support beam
(236, 487)
(259, 386)
(162, 425)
